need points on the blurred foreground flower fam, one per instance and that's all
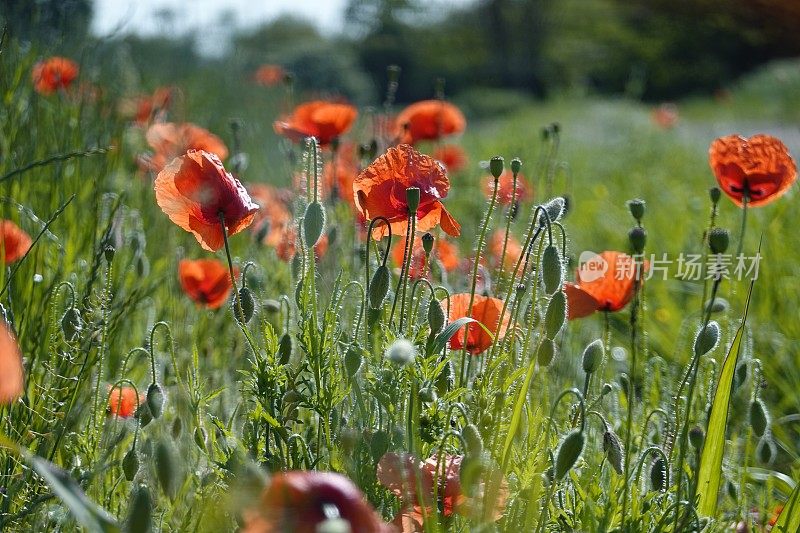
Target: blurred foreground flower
(206, 281)
(122, 401)
(11, 371)
(14, 242)
(53, 74)
(486, 310)
(170, 140)
(429, 120)
(324, 120)
(445, 251)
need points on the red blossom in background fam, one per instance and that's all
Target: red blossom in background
(12, 377)
(325, 121)
(429, 120)
(122, 401)
(269, 75)
(505, 189)
(170, 140)
(610, 290)
(451, 156)
(486, 310)
(206, 281)
(14, 242)
(53, 74)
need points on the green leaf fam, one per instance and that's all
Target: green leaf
(516, 416)
(451, 329)
(709, 476)
(789, 519)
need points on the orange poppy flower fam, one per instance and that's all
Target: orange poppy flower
(53, 74)
(486, 310)
(776, 513)
(269, 75)
(287, 247)
(206, 281)
(301, 500)
(429, 120)
(274, 215)
(380, 190)
(170, 140)
(446, 252)
(195, 189)
(451, 156)
(14, 242)
(605, 283)
(505, 190)
(665, 116)
(495, 250)
(122, 401)
(761, 165)
(324, 120)
(12, 379)
(144, 109)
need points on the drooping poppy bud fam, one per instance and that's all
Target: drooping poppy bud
(569, 452)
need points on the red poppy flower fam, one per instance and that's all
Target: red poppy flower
(53, 74)
(486, 310)
(605, 283)
(205, 281)
(761, 165)
(14, 242)
(505, 190)
(300, 501)
(122, 401)
(287, 247)
(12, 380)
(495, 250)
(451, 156)
(194, 189)
(380, 190)
(146, 108)
(324, 120)
(274, 215)
(429, 120)
(269, 75)
(443, 251)
(170, 140)
(665, 116)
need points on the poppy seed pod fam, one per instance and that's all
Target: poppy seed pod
(401, 352)
(696, 437)
(285, 349)
(71, 324)
(109, 252)
(552, 272)
(516, 165)
(546, 352)
(707, 339)
(556, 315)
(155, 400)
(166, 469)
(638, 238)
(496, 165)
(435, 316)
(130, 464)
(568, 453)
(140, 513)
(412, 199)
(379, 286)
(714, 193)
(427, 243)
(759, 417)
(636, 207)
(592, 356)
(248, 304)
(612, 447)
(313, 223)
(658, 475)
(427, 394)
(718, 240)
(352, 360)
(472, 440)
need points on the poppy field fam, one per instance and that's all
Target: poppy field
(294, 313)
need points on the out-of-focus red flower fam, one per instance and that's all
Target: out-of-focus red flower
(14, 242)
(12, 379)
(380, 190)
(269, 75)
(760, 166)
(495, 250)
(606, 283)
(443, 251)
(429, 120)
(324, 120)
(776, 513)
(451, 156)
(53, 74)
(122, 401)
(195, 189)
(274, 215)
(170, 140)
(206, 281)
(287, 247)
(505, 190)
(665, 116)
(486, 310)
(300, 501)
(146, 108)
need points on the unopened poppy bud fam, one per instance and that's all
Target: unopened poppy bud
(636, 207)
(166, 469)
(607, 388)
(696, 437)
(428, 394)
(427, 243)
(707, 339)
(714, 193)
(612, 447)
(313, 223)
(333, 234)
(766, 450)
(352, 360)
(155, 400)
(593, 356)
(401, 352)
(658, 475)
(546, 352)
(733, 492)
(496, 166)
(71, 324)
(556, 315)
(718, 240)
(108, 252)
(140, 512)
(435, 316)
(412, 199)
(472, 439)
(554, 209)
(379, 444)
(130, 464)
(552, 271)
(759, 417)
(248, 304)
(285, 349)
(271, 306)
(379, 286)
(445, 379)
(516, 165)
(717, 305)
(740, 376)
(568, 453)
(638, 238)
(200, 437)
(521, 290)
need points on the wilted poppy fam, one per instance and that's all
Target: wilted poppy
(122, 401)
(495, 250)
(301, 501)
(759, 167)
(205, 281)
(451, 156)
(324, 120)
(380, 190)
(269, 75)
(505, 188)
(604, 283)
(195, 189)
(14, 242)
(444, 251)
(53, 74)
(11, 372)
(665, 116)
(170, 140)
(486, 310)
(429, 120)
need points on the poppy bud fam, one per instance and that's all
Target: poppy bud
(636, 207)
(714, 193)
(333, 234)
(612, 447)
(658, 475)
(313, 223)
(285, 349)
(130, 464)
(733, 492)
(155, 400)
(379, 444)
(546, 352)
(248, 304)
(108, 252)
(427, 243)
(428, 394)
(759, 417)
(71, 324)
(516, 165)
(435, 316)
(144, 415)
(555, 315)
(166, 469)
(707, 339)
(401, 352)
(554, 209)
(352, 360)
(445, 379)
(177, 427)
(200, 437)
(552, 272)
(740, 376)
(496, 166)
(140, 513)
(412, 199)
(696, 437)
(271, 306)
(568, 453)
(718, 240)
(638, 238)
(607, 388)
(592, 356)
(379, 286)
(766, 450)
(472, 440)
